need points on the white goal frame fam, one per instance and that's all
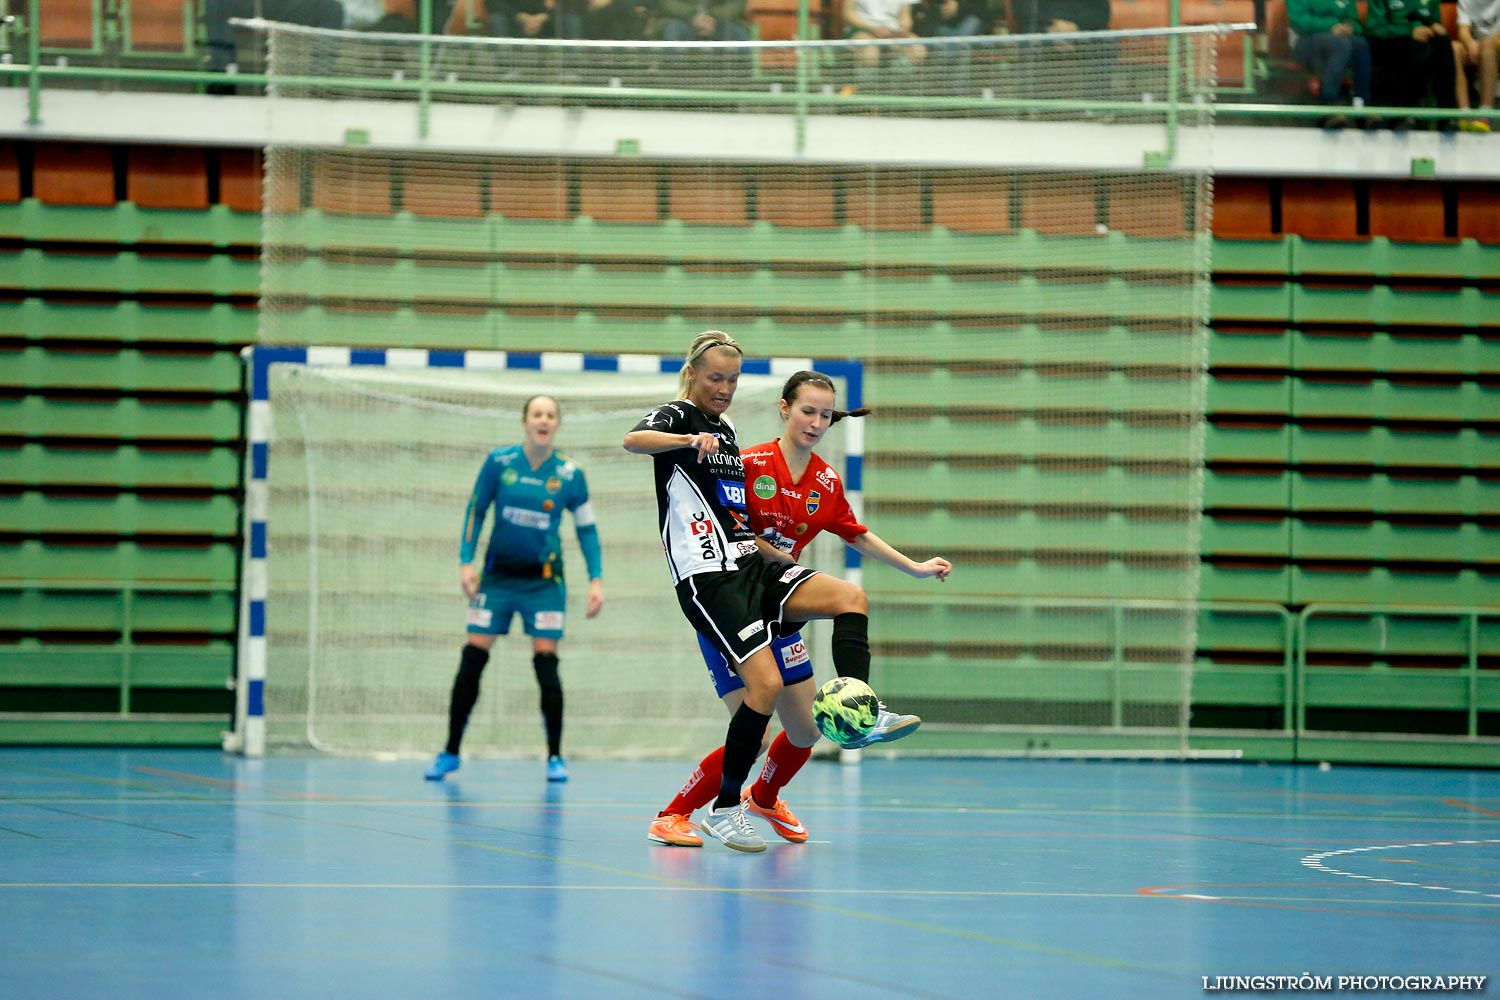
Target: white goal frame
(249, 734)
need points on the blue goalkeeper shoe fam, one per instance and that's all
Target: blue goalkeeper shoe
(557, 769)
(889, 727)
(445, 764)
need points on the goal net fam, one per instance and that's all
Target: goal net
(1009, 234)
(364, 477)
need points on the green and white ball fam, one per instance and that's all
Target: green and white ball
(845, 710)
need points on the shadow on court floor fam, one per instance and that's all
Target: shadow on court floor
(166, 873)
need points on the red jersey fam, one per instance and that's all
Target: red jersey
(790, 514)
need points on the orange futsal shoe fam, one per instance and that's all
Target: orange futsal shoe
(674, 830)
(787, 826)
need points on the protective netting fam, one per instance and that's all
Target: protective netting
(975, 225)
(369, 473)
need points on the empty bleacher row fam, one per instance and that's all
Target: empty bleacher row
(1351, 460)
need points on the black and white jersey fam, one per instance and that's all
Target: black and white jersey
(700, 505)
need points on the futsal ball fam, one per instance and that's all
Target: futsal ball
(845, 710)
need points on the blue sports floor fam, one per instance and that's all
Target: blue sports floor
(163, 874)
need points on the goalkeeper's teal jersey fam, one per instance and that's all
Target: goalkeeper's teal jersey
(528, 505)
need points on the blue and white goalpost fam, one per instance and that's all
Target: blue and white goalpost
(358, 470)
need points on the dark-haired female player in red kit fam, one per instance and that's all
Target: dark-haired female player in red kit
(792, 495)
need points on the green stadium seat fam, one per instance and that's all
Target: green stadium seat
(1383, 585)
(43, 561)
(1248, 487)
(1382, 541)
(1462, 448)
(1387, 493)
(1228, 579)
(128, 322)
(35, 512)
(40, 465)
(35, 609)
(128, 369)
(1267, 535)
(1388, 399)
(1239, 393)
(1456, 351)
(126, 419)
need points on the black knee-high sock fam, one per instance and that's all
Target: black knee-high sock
(545, 665)
(465, 693)
(851, 646)
(741, 746)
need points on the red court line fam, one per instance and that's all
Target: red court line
(1472, 808)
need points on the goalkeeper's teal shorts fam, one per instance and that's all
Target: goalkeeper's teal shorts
(539, 601)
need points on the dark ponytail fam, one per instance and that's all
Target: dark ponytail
(799, 379)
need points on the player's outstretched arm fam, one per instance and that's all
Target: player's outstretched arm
(872, 546)
(655, 442)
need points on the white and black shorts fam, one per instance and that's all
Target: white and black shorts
(741, 611)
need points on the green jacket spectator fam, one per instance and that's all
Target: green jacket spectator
(1310, 17)
(719, 10)
(1398, 18)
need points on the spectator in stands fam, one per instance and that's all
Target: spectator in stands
(871, 19)
(1412, 56)
(951, 19)
(1328, 39)
(1054, 17)
(219, 35)
(601, 20)
(703, 21)
(1037, 17)
(521, 19)
(1476, 51)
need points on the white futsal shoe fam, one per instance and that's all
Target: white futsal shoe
(889, 727)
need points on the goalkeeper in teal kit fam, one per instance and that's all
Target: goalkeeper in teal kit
(528, 485)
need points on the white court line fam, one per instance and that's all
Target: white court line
(1315, 862)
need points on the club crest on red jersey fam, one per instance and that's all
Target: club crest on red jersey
(813, 499)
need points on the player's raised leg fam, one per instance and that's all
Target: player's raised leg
(825, 596)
